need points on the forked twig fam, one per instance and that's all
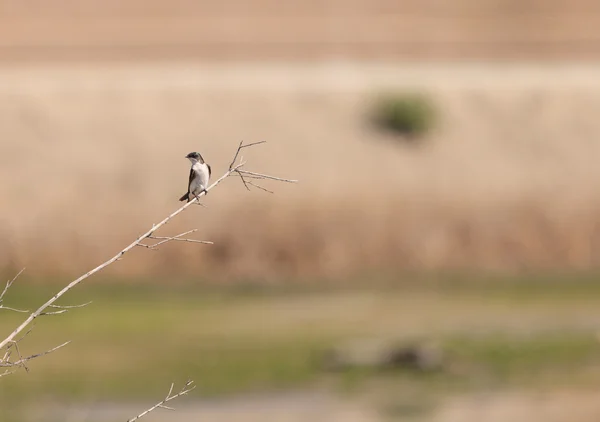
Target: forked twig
(161, 404)
(8, 308)
(22, 360)
(7, 372)
(64, 308)
(8, 284)
(243, 174)
(178, 238)
(241, 146)
(260, 187)
(243, 179)
(70, 306)
(266, 176)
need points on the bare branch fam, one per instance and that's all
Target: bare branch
(143, 245)
(8, 284)
(8, 308)
(24, 335)
(176, 239)
(7, 372)
(47, 352)
(62, 311)
(10, 364)
(170, 396)
(7, 355)
(266, 176)
(70, 306)
(181, 234)
(247, 176)
(240, 147)
(22, 360)
(14, 346)
(10, 343)
(243, 180)
(254, 143)
(260, 187)
(112, 260)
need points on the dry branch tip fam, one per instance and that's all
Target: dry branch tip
(170, 396)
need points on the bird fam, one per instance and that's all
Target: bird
(199, 176)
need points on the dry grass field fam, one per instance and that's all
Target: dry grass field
(92, 155)
(100, 101)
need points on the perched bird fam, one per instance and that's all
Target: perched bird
(199, 176)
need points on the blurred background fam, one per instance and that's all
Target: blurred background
(438, 260)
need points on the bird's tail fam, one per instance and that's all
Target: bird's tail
(185, 197)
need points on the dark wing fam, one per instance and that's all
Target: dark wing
(190, 179)
(209, 170)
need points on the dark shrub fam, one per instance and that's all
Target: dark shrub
(411, 115)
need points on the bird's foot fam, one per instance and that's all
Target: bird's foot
(198, 200)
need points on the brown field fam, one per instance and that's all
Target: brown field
(109, 95)
(92, 155)
(271, 29)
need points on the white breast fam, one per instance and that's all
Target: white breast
(200, 183)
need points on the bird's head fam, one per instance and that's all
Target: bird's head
(195, 157)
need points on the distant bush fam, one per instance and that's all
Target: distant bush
(408, 114)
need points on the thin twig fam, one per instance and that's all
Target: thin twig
(179, 235)
(260, 187)
(62, 311)
(160, 243)
(7, 372)
(8, 284)
(161, 405)
(5, 364)
(70, 306)
(7, 355)
(8, 308)
(14, 346)
(24, 335)
(143, 245)
(22, 360)
(176, 239)
(266, 176)
(243, 180)
(247, 176)
(241, 147)
(179, 238)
